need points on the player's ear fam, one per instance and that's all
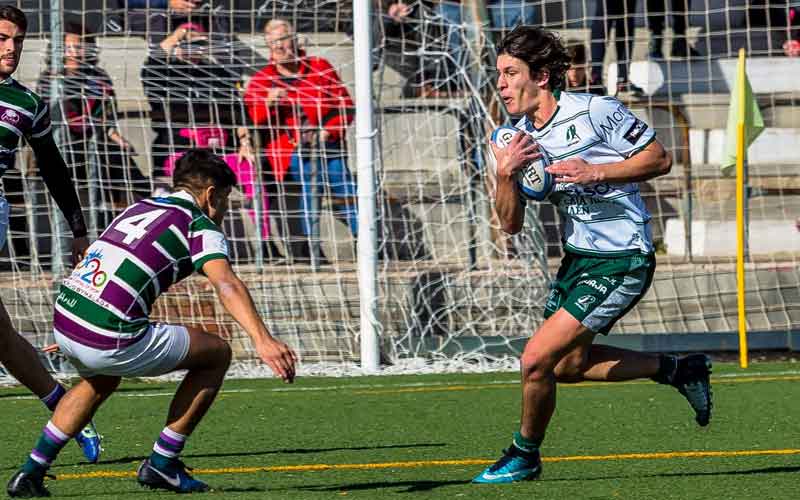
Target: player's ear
(542, 78)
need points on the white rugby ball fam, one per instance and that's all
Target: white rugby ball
(533, 181)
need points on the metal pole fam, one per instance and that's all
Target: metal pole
(57, 71)
(365, 156)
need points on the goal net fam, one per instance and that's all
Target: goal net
(455, 292)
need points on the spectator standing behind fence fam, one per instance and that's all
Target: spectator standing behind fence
(656, 20)
(457, 19)
(195, 101)
(90, 113)
(397, 38)
(301, 109)
(619, 15)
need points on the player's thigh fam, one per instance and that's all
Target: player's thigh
(206, 350)
(560, 335)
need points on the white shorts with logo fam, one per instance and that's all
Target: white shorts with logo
(160, 350)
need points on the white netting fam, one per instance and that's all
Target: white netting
(454, 292)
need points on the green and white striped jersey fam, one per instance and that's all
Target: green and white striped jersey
(23, 114)
(601, 219)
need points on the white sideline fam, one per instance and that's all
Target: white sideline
(146, 394)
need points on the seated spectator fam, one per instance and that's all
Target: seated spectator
(397, 38)
(194, 100)
(577, 74)
(619, 15)
(301, 109)
(158, 20)
(89, 110)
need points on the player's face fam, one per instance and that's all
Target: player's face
(280, 41)
(11, 39)
(518, 88)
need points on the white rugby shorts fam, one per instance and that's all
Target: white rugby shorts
(160, 350)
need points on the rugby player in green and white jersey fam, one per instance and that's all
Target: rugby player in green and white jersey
(24, 114)
(600, 151)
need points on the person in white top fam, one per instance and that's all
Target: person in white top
(600, 151)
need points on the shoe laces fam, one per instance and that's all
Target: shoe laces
(509, 454)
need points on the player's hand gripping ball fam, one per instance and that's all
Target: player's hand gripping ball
(533, 181)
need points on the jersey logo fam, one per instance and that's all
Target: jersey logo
(572, 136)
(10, 116)
(584, 302)
(635, 132)
(89, 271)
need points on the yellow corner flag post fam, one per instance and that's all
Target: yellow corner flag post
(744, 125)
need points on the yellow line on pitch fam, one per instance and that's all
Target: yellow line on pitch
(444, 463)
(505, 385)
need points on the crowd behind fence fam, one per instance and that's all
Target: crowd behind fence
(269, 85)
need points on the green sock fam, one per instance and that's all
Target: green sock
(525, 444)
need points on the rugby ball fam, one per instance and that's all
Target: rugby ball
(533, 181)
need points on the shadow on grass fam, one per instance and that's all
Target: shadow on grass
(746, 472)
(405, 486)
(283, 451)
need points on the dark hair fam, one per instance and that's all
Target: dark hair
(76, 27)
(540, 49)
(198, 169)
(14, 15)
(577, 53)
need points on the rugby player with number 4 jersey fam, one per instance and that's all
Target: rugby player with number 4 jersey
(600, 151)
(23, 114)
(102, 323)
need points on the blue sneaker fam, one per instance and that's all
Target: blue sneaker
(515, 465)
(693, 380)
(172, 477)
(89, 441)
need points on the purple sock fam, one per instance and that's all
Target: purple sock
(52, 399)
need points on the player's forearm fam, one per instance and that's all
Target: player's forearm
(508, 206)
(56, 177)
(237, 301)
(647, 164)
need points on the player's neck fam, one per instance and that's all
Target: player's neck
(545, 110)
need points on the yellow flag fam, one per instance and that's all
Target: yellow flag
(743, 109)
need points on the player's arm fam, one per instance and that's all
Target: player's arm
(643, 157)
(56, 177)
(510, 208)
(237, 301)
(652, 161)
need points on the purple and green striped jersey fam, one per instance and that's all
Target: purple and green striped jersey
(23, 114)
(106, 302)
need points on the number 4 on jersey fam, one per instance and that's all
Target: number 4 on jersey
(135, 226)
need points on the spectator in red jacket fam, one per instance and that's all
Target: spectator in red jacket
(301, 109)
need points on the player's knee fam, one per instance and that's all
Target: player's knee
(535, 365)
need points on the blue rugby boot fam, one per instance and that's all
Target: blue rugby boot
(89, 441)
(515, 465)
(172, 477)
(693, 380)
